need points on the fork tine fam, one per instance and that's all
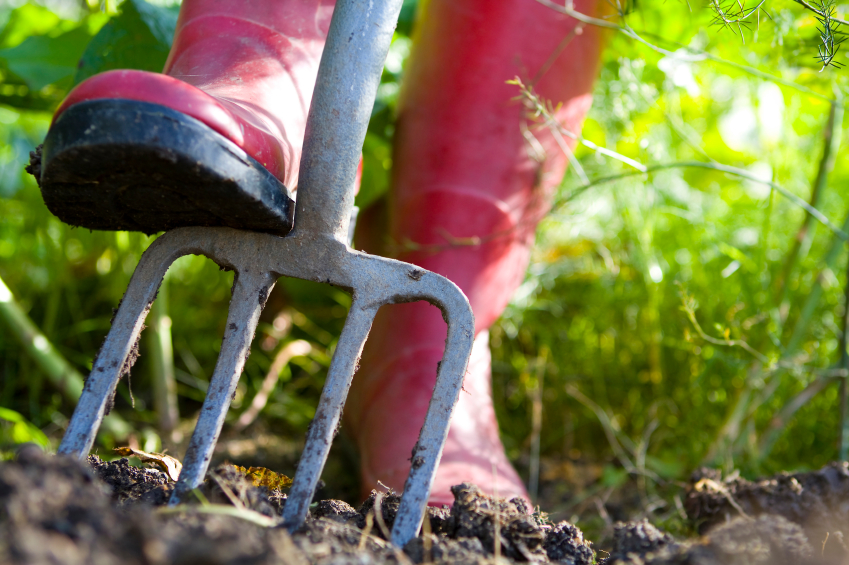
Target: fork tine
(110, 361)
(327, 415)
(449, 381)
(250, 290)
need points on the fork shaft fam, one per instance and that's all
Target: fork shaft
(250, 291)
(351, 64)
(325, 424)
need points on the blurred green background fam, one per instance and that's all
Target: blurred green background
(691, 315)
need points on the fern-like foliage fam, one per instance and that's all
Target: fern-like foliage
(830, 36)
(734, 15)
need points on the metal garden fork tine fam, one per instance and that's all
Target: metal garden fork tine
(329, 412)
(109, 365)
(242, 319)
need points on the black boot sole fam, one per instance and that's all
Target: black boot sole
(119, 164)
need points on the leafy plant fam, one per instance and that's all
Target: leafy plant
(137, 38)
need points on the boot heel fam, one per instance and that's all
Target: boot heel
(115, 164)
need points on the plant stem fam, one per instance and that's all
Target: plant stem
(844, 364)
(536, 426)
(297, 348)
(799, 331)
(802, 241)
(60, 373)
(53, 364)
(162, 362)
(782, 418)
(819, 12)
(836, 245)
(742, 173)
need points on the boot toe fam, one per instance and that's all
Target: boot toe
(118, 164)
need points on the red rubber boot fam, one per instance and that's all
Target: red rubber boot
(464, 170)
(213, 141)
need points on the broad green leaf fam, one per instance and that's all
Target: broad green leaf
(30, 20)
(42, 60)
(21, 430)
(139, 37)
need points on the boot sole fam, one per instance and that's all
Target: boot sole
(119, 164)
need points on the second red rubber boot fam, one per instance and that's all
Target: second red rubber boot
(469, 189)
(215, 140)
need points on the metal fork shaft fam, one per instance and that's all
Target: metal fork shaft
(345, 89)
(250, 291)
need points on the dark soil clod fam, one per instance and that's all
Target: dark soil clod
(131, 484)
(337, 510)
(34, 166)
(565, 543)
(767, 540)
(437, 549)
(638, 539)
(496, 521)
(816, 501)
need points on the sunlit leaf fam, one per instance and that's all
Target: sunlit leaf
(138, 38)
(262, 477)
(170, 465)
(43, 60)
(30, 20)
(22, 431)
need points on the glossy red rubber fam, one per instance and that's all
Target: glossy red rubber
(468, 191)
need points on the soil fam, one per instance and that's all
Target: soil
(56, 510)
(816, 500)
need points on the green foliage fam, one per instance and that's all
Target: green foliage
(137, 38)
(39, 55)
(41, 60)
(15, 430)
(830, 36)
(621, 266)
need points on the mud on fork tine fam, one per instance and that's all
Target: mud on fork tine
(316, 250)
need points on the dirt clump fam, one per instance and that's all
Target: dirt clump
(130, 484)
(564, 543)
(336, 510)
(34, 165)
(387, 502)
(438, 549)
(505, 523)
(767, 540)
(638, 539)
(54, 510)
(817, 501)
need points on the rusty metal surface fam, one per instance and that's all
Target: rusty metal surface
(315, 250)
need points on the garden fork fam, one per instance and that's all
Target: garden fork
(317, 250)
